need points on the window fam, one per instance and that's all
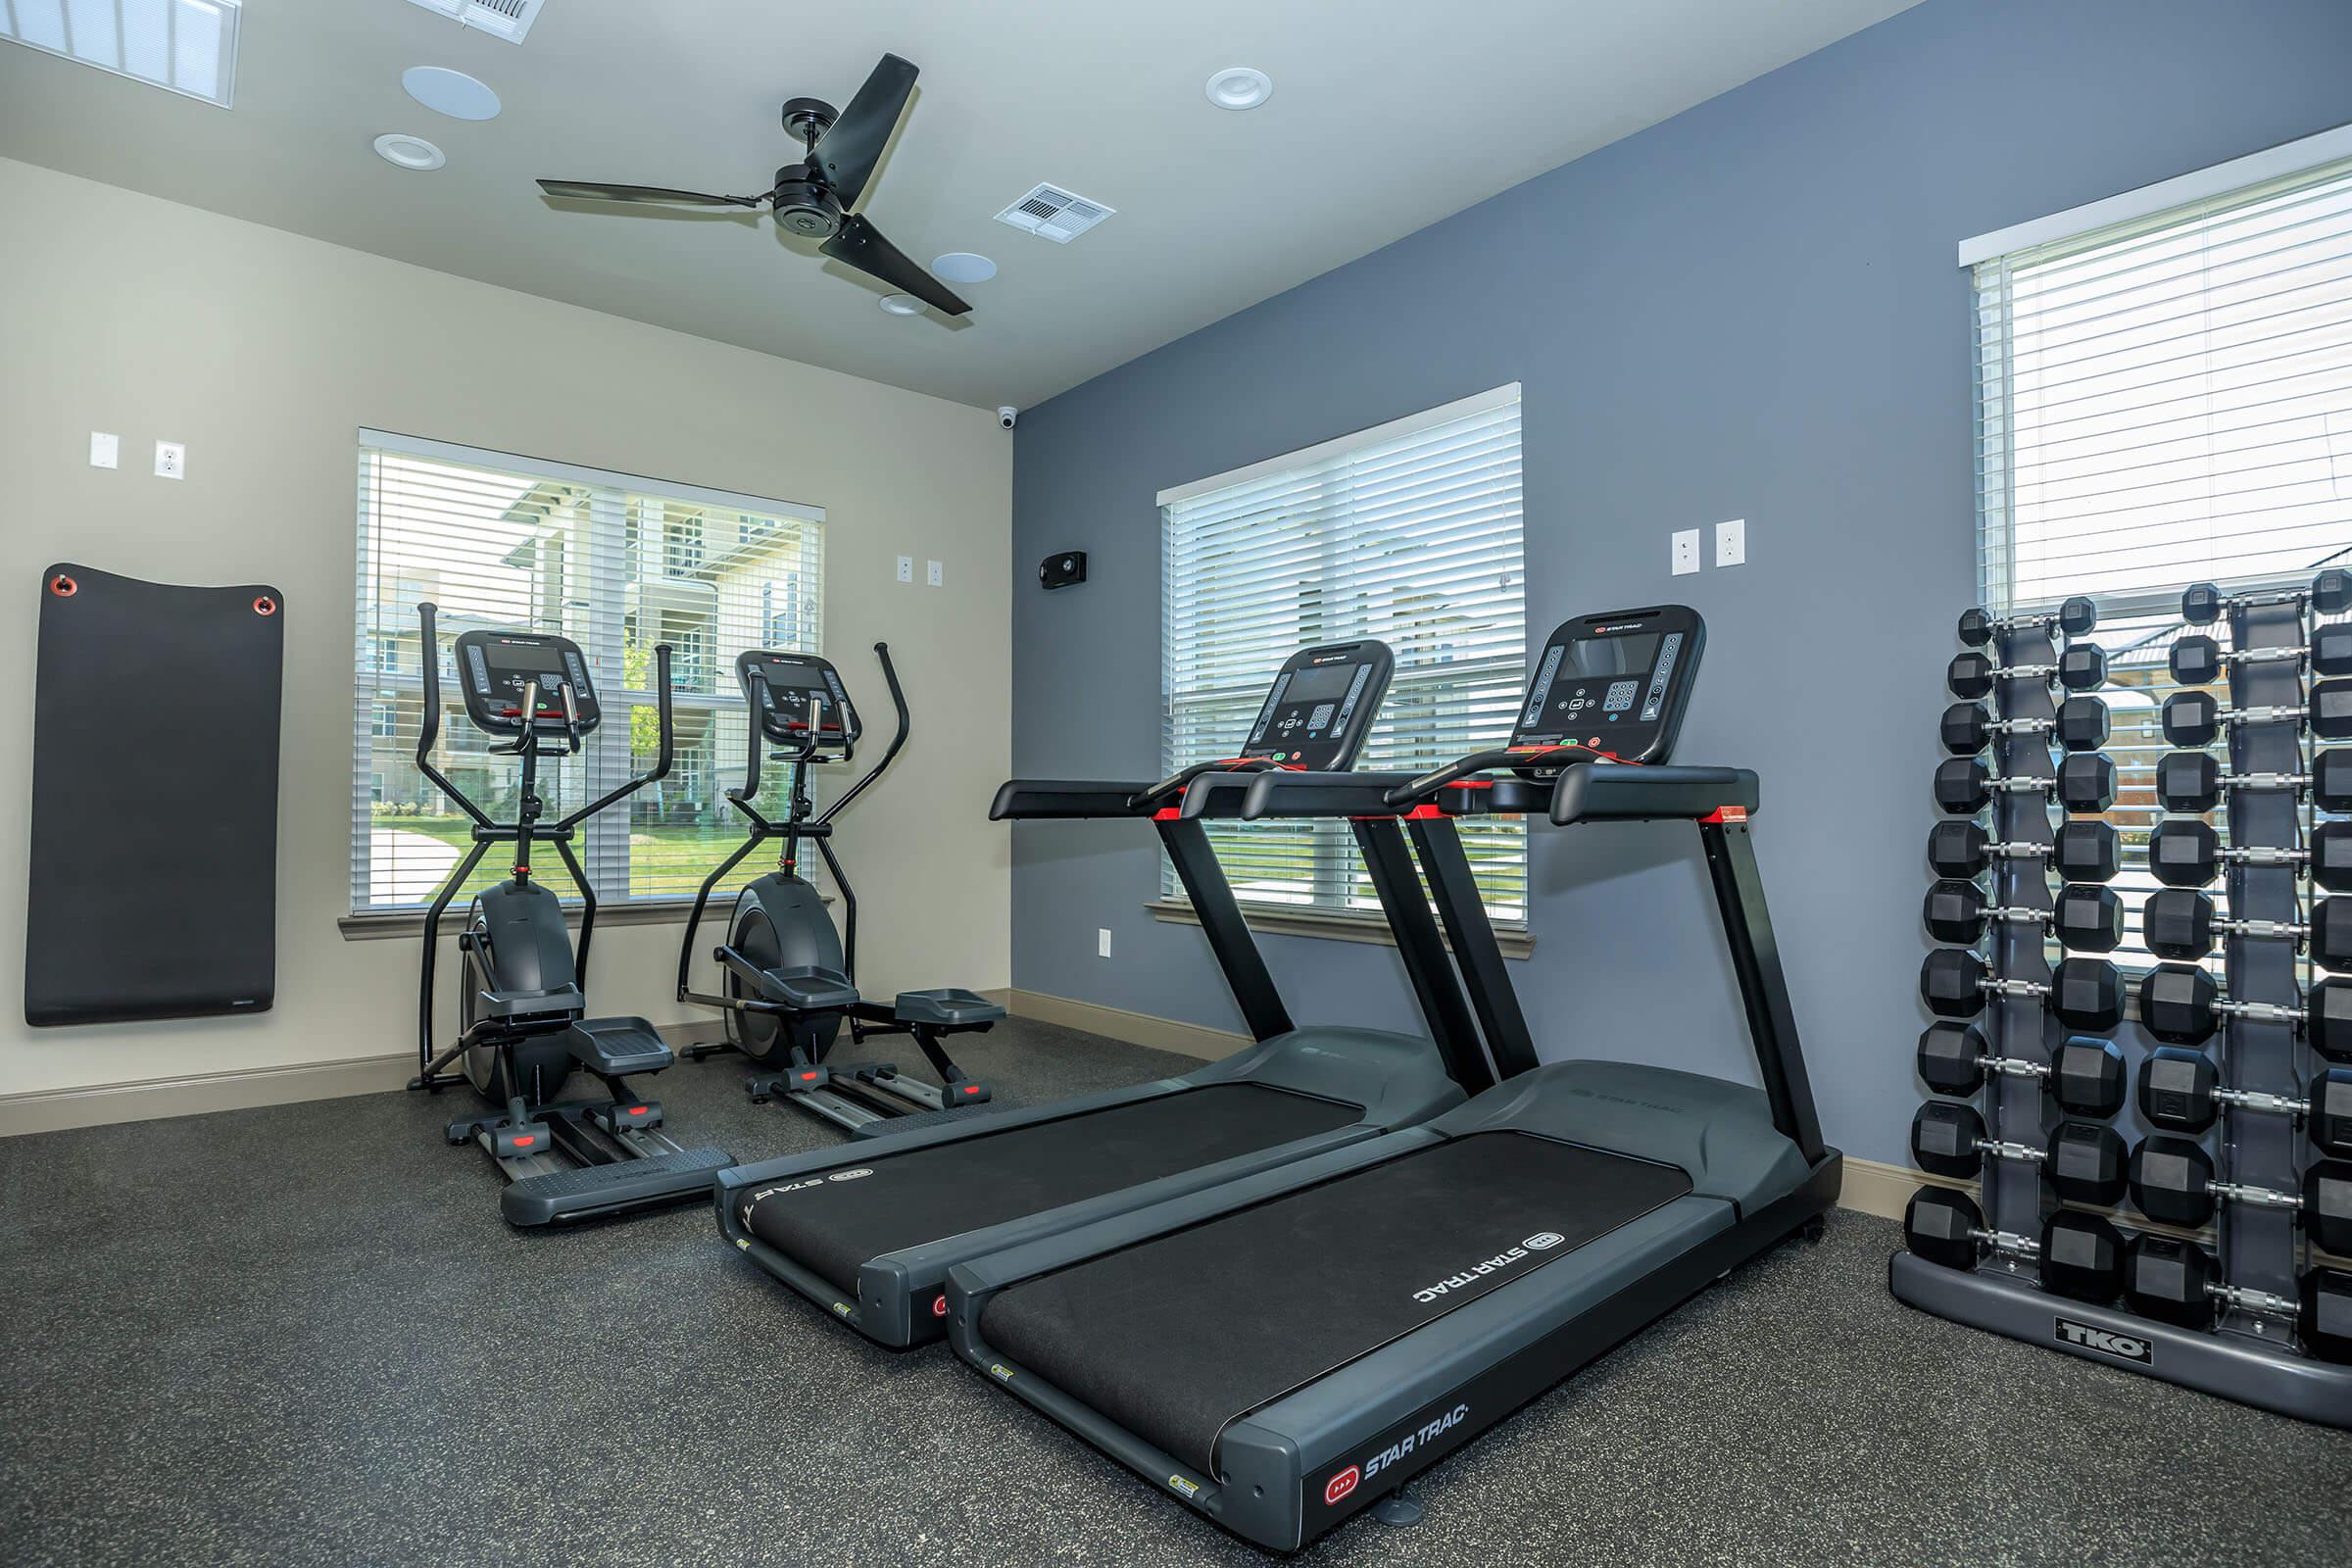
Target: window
(1409, 532)
(618, 564)
(2163, 396)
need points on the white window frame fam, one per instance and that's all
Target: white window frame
(603, 846)
(1335, 873)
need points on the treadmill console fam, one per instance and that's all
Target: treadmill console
(797, 684)
(1322, 705)
(494, 667)
(1616, 683)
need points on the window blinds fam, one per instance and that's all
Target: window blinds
(618, 564)
(2168, 399)
(1409, 533)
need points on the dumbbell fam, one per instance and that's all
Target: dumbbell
(2179, 1282)
(2074, 618)
(2198, 661)
(2181, 923)
(2080, 1255)
(2172, 1180)
(2326, 1318)
(2193, 781)
(2330, 593)
(2089, 919)
(2087, 850)
(2185, 853)
(2181, 1089)
(2182, 1006)
(2085, 994)
(2085, 782)
(2085, 1076)
(2327, 1019)
(2081, 725)
(2081, 667)
(2195, 717)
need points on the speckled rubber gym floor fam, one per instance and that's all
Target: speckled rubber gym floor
(302, 1335)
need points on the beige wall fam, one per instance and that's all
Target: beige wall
(265, 353)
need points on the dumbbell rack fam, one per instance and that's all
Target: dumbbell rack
(2250, 1354)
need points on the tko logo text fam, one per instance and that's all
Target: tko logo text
(2122, 1346)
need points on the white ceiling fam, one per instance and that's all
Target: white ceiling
(1386, 116)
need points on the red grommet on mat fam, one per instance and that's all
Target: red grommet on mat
(265, 606)
(63, 586)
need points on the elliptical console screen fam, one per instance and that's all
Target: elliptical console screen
(1321, 706)
(494, 667)
(796, 683)
(1615, 683)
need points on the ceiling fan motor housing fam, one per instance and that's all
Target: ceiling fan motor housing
(804, 206)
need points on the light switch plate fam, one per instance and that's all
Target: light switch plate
(937, 575)
(106, 450)
(170, 460)
(1103, 942)
(1731, 543)
(1685, 551)
(906, 569)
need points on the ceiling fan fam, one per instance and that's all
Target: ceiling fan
(813, 198)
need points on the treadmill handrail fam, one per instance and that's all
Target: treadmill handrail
(1048, 798)
(1322, 795)
(1611, 792)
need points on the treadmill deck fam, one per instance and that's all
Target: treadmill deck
(833, 1227)
(1171, 1337)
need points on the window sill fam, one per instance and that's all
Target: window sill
(408, 925)
(1515, 942)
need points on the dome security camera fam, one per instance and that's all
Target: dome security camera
(1007, 413)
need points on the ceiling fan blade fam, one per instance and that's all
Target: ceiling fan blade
(861, 245)
(848, 153)
(578, 191)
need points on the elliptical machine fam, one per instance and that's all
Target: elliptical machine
(790, 979)
(522, 1027)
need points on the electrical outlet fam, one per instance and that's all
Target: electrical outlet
(170, 460)
(1103, 942)
(1685, 551)
(936, 576)
(906, 569)
(1731, 543)
(106, 450)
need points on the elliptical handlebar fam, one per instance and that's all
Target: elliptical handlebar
(898, 699)
(429, 727)
(661, 761)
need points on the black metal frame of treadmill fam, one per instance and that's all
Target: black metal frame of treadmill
(1283, 1508)
(900, 1301)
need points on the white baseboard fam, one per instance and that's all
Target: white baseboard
(50, 1110)
(1117, 1023)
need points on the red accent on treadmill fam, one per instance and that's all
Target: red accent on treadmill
(1341, 1484)
(939, 1307)
(1167, 813)
(1426, 811)
(1726, 814)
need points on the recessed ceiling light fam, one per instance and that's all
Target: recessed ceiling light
(450, 92)
(901, 305)
(962, 266)
(409, 152)
(1240, 87)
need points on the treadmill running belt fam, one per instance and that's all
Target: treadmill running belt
(1175, 1338)
(833, 1228)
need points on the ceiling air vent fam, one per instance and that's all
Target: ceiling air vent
(1051, 212)
(510, 19)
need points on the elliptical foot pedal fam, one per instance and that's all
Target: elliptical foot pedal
(517, 1141)
(798, 1079)
(623, 1187)
(624, 1116)
(617, 1046)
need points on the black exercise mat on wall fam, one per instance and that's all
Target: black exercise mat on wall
(154, 884)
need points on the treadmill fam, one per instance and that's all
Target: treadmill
(870, 1231)
(1406, 1292)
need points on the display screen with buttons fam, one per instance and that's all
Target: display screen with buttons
(791, 687)
(1321, 704)
(1613, 684)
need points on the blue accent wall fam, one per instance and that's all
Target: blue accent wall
(1749, 310)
